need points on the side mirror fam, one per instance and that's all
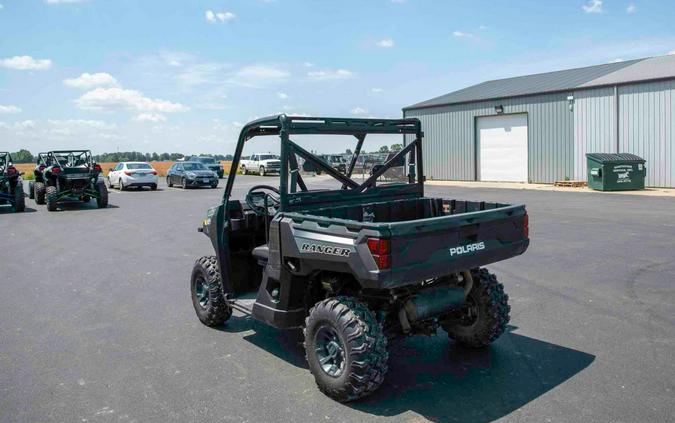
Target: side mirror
(110, 170)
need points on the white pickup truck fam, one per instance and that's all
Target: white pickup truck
(261, 164)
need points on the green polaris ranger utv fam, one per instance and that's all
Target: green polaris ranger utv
(11, 185)
(357, 264)
(68, 175)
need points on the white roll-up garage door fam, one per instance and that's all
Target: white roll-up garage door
(502, 142)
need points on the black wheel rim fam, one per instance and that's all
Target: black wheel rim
(330, 352)
(202, 292)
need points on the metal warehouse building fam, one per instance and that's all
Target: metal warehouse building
(538, 128)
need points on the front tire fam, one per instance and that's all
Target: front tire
(207, 295)
(102, 200)
(19, 199)
(184, 183)
(51, 198)
(345, 348)
(487, 314)
(243, 170)
(31, 190)
(40, 192)
(168, 182)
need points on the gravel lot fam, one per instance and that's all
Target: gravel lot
(98, 326)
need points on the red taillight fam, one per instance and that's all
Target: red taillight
(11, 170)
(126, 172)
(380, 249)
(154, 172)
(56, 169)
(97, 167)
(526, 226)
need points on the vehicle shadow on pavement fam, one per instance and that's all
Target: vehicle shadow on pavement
(442, 381)
(79, 206)
(8, 210)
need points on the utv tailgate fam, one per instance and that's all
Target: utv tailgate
(437, 246)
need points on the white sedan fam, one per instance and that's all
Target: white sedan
(132, 174)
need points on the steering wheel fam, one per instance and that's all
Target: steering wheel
(256, 199)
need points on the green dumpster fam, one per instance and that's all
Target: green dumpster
(615, 172)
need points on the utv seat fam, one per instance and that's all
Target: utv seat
(262, 254)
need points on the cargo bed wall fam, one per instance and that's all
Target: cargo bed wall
(404, 210)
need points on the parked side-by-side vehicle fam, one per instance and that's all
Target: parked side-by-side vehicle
(11, 185)
(68, 175)
(132, 174)
(357, 265)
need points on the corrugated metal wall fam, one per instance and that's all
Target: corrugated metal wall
(594, 126)
(647, 126)
(450, 138)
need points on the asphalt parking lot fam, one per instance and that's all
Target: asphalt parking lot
(98, 326)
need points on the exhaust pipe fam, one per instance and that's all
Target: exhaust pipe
(434, 301)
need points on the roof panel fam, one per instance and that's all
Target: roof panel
(570, 79)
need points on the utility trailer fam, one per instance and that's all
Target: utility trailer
(11, 185)
(359, 264)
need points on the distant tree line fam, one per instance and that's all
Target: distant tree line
(25, 156)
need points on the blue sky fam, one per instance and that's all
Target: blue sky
(184, 75)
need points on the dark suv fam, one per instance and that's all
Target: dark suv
(211, 163)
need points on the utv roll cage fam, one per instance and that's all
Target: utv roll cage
(5, 161)
(295, 195)
(68, 158)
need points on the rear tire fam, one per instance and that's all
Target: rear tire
(207, 294)
(261, 171)
(489, 313)
(345, 348)
(31, 190)
(40, 192)
(243, 170)
(120, 184)
(19, 199)
(102, 200)
(51, 198)
(153, 187)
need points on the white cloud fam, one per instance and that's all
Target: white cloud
(617, 60)
(308, 64)
(212, 16)
(358, 111)
(385, 43)
(398, 1)
(461, 34)
(376, 90)
(25, 63)
(262, 72)
(9, 109)
(671, 52)
(1, 7)
(631, 9)
(150, 117)
(282, 96)
(592, 6)
(482, 27)
(91, 80)
(119, 98)
(330, 74)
